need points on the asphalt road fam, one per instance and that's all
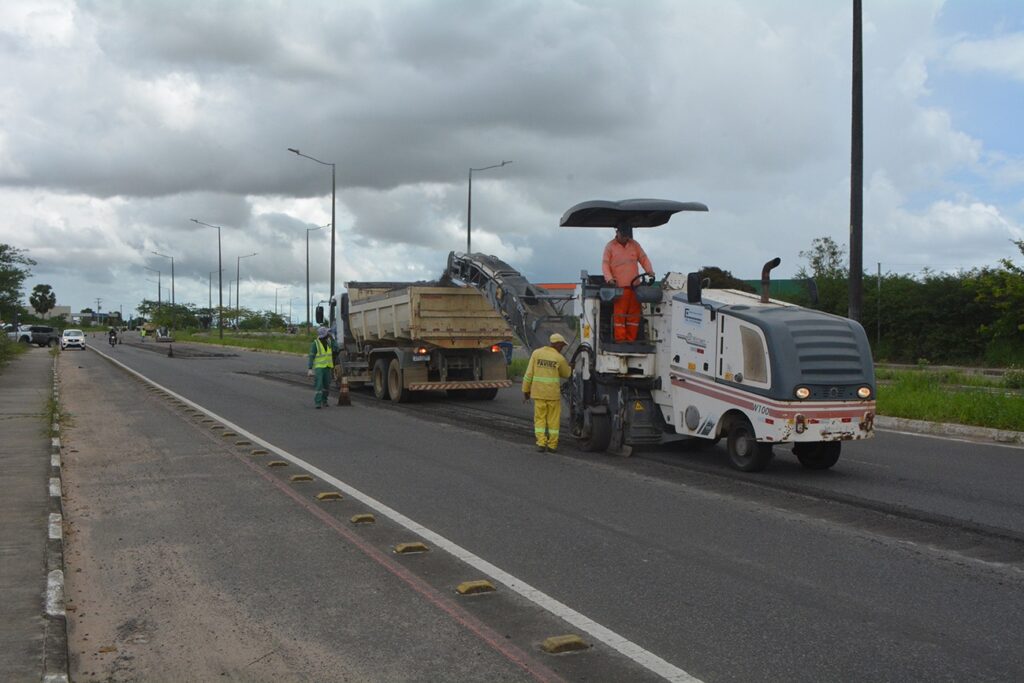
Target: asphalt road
(905, 562)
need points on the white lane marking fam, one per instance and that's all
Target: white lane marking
(55, 593)
(54, 487)
(55, 526)
(943, 437)
(648, 660)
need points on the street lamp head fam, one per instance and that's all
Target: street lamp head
(505, 163)
(294, 151)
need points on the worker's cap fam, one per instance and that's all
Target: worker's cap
(322, 331)
(557, 339)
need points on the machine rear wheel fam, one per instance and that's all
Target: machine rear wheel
(396, 388)
(380, 379)
(745, 453)
(599, 436)
(818, 456)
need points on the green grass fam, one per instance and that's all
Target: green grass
(923, 396)
(517, 368)
(263, 341)
(10, 349)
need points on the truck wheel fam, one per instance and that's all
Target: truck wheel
(380, 379)
(600, 434)
(398, 392)
(745, 453)
(818, 456)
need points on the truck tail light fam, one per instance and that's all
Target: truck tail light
(495, 348)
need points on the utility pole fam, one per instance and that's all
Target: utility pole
(857, 172)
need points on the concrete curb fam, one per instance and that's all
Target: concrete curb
(903, 424)
(55, 639)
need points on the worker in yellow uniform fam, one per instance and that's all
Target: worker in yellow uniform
(321, 364)
(541, 383)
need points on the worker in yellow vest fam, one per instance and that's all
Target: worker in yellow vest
(321, 364)
(541, 383)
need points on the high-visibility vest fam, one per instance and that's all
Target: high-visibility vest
(547, 366)
(324, 357)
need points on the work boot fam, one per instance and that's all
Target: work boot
(552, 450)
(541, 449)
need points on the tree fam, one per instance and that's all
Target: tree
(722, 279)
(826, 260)
(13, 271)
(43, 299)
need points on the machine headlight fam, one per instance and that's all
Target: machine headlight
(802, 393)
(864, 392)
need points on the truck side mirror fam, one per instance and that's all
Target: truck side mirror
(319, 314)
(693, 288)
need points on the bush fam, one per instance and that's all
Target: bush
(1013, 378)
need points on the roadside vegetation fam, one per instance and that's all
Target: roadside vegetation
(263, 341)
(952, 397)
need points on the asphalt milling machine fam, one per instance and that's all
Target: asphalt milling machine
(708, 363)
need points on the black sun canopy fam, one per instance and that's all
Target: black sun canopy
(633, 213)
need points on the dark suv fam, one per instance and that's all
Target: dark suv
(40, 335)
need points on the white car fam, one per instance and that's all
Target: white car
(72, 338)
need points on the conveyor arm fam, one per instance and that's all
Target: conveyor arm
(532, 313)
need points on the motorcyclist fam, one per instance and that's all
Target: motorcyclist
(112, 336)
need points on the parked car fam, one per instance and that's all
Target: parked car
(71, 338)
(40, 335)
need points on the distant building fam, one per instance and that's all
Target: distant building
(56, 312)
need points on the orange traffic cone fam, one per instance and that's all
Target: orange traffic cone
(343, 397)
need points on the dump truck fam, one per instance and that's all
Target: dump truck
(402, 338)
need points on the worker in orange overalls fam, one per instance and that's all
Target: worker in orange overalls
(619, 266)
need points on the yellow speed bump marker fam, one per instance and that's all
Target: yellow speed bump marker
(567, 643)
(365, 518)
(257, 451)
(277, 463)
(301, 477)
(207, 420)
(216, 426)
(243, 442)
(227, 434)
(411, 548)
(475, 587)
(328, 495)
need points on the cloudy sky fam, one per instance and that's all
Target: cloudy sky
(120, 121)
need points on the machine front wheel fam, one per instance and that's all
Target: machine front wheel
(599, 436)
(380, 379)
(818, 456)
(745, 453)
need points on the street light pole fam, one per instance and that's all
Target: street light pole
(174, 314)
(220, 278)
(469, 200)
(309, 230)
(238, 284)
(159, 301)
(334, 187)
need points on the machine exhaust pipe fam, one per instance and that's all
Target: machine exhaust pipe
(766, 280)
